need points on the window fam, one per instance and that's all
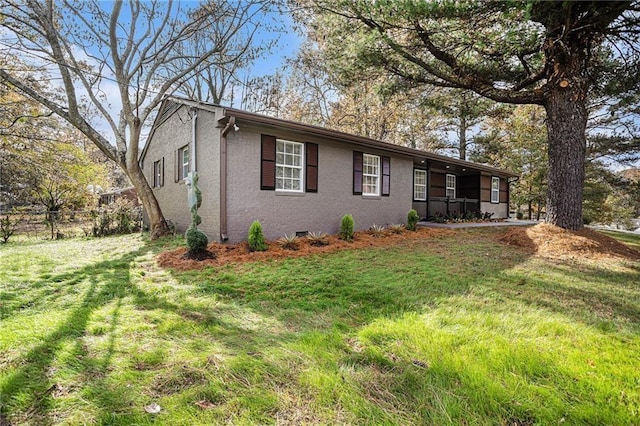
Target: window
(451, 186)
(419, 185)
(370, 174)
(288, 166)
(183, 162)
(289, 163)
(495, 189)
(158, 173)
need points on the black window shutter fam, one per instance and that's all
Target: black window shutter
(386, 176)
(162, 173)
(268, 163)
(311, 181)
(357, 173)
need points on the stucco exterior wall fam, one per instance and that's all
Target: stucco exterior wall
(499, 210)
(167, 138)
(281, 213)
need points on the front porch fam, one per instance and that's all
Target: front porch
(452, 187)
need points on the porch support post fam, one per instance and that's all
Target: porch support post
(428, 188)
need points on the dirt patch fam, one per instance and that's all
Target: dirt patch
(553, 242)
(239, 253)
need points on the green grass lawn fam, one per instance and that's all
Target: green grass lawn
(451, 330)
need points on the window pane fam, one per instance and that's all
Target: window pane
(289, 162)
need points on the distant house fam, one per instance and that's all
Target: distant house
(110, 197)
(296, 178)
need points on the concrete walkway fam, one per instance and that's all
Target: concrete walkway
(506, 222)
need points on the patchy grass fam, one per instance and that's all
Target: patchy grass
(633, 240)
(457, 329)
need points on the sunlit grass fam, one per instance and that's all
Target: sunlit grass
(453, 330)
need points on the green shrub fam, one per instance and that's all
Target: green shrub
(196, 240)
(256, 237)
(346, 227)
(412, 220)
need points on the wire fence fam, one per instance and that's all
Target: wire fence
(29, 224)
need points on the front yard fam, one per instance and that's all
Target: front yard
(450, 329)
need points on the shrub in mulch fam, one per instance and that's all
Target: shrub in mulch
(240, 253)
(550, 241)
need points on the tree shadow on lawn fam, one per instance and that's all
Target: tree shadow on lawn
(31, 384)
(342, 295)
(585, 292)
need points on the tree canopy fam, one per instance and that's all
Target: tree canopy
(114, 62)
(556, 54)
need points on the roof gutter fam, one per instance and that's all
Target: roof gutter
(231, 124)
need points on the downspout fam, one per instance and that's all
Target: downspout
(231, 124)
(194, 121)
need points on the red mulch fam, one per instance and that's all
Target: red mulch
(239, 253)
(553, 242)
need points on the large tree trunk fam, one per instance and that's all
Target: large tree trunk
(566, 125)
(157, 223)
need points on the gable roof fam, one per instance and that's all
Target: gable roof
(323, 132)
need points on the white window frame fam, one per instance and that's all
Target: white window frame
(419, 189)
(286, 164)
(371, 175)
(157, 174)
(495, 189)
(449, 186)
(184, 164)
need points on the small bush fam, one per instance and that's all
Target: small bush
(256, 237)
(376, 231)
(396, 228)
(346, 227)
(317, 239)
(412, 220)
(289, 242)
(519, 215)
(196, 240)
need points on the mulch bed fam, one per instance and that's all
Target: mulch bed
(543, 240)
(239, 253)
(556, 243)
